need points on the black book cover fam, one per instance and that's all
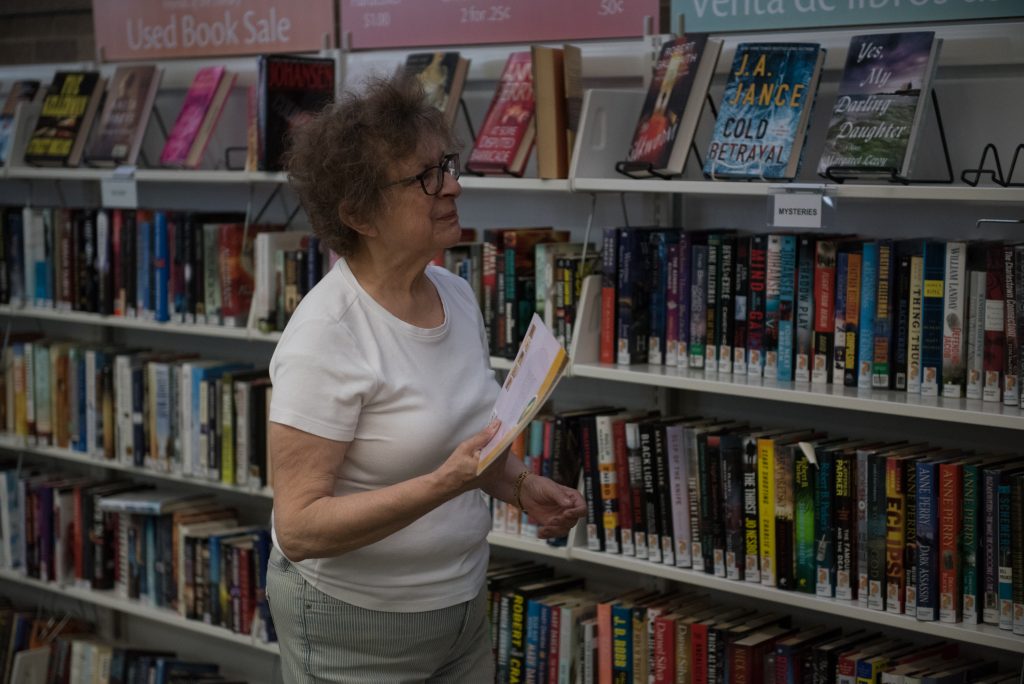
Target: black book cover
(291, 90)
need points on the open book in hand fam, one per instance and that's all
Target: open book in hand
(538, 366)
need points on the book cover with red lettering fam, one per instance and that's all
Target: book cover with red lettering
(766, 107)
(504, 142)
(203, 104)
(291, 90)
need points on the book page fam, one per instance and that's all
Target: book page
(539, 364)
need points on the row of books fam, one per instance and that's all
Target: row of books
(929, 317)
(184, 552)
(516, 272)
(40, 647)
(162, 411)
(185, 267)
(904, 528)
(83, 118)
(549, 629)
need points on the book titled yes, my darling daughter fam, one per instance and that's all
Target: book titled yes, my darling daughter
(762, 121)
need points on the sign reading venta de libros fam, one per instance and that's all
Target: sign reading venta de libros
(147, 29)
(747, 15)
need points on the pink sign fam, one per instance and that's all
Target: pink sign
(417, 23)
(151, 29)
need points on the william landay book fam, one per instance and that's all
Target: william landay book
(877, 115)
(762, 121)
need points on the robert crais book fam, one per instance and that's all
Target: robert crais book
(291, 90)
(762, 121)
(673, 105)
(877, 115)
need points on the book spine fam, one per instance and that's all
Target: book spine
(622, 644)
(663, 496)
(672, 298)
(1005, 559)
(846, 526)
(990, 547)
(995, 332)
(591, 484)
(895, 498)
(882, 362)
(712, 537)
(953, 333)
(910, 536)
(756, 305)
(773, 283)
(931, 318)
(161, 267)
(838, 358)
(1011, 370)
(683, 288)
(752, 554)
(678, 478)
(1017, 554)
(712, 285)
(876, 531)
(927, 522)
(1018, 267)
(726, 314)
(902, 323)
(805, 313)
(636, 495)
(804, 511)
(698, 306)
(609, 501)
(972, 552)
(648, 457)
(741, 287)
(693, 485)
(733, 493)
(915, 324)
(785, 556)
(623, 488)
(766, 508)
(825, 533)
(950, 539)
(657, 272)
(868, 308)
(853, 295)
(787, 297)
(976, 287)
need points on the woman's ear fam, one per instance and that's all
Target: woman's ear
(350, 219)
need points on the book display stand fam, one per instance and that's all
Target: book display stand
(973, 176)
(642, 169)
(839, 174)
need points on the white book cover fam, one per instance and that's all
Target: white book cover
(953, 332)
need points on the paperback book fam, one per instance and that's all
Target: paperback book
(442, 75)
(125, 114)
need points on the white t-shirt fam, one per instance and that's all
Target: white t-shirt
(404, 397)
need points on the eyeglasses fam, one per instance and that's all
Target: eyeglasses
(432, 178)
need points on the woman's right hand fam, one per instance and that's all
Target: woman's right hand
(458, 473)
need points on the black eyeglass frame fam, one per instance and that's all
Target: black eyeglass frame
(449, 164)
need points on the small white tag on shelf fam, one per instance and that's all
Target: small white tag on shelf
(796, 210)
(119, 191)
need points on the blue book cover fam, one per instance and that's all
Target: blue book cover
(787, 297)
(1005, 553)
(161, 266)
(878, 111)
(622, 643)
(868, 307)
(532, 639)
(773, 283)
(932, 310)
(806, 257)
(762, 120)
(927, 540)
(658, 274)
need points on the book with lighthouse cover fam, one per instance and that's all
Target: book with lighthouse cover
(876, 120)
(766, 107)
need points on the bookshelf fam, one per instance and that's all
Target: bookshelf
(978, 60)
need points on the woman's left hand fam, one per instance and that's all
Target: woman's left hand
(555, 508)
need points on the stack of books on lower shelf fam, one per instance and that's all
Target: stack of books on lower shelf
(179, 552)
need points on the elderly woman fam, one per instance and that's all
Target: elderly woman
(382, 392)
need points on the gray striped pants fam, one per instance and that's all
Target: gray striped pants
(323, 639)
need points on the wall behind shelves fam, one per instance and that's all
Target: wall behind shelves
(33, 31)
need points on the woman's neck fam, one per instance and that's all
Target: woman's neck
(400, 285)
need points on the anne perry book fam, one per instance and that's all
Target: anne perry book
(766, 106)
(203, 104)
(125, 113)
(672, 109)
(536, 370)
(506, 137)
(877, 116)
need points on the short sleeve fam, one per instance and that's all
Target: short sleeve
(318, 389)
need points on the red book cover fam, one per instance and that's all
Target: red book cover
(554, 642)
(202, 101)
(235, 254)
(1011, 365)
(623, 492)
(824, 310)
(951, 478)
(699, 652)
(604, 642)
(995, 334)
(609, 277)
(664, 650)
(506, 137)
(245, 586)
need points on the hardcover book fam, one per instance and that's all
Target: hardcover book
(125, 114)
(21, 91)
(291, 90)
(877, 117)
(69, 108)
(191, 132)
(762, 120)
(442, 75)
(506, 137)
(672, 109)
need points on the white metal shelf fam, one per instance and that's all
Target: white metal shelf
(514, 184)
(982, 635)
(534, 546)
(170, 176)
(15, 443)
(864, 191)
(967, 411)
(107, 599)
(139, 323)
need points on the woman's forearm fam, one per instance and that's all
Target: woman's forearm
(501, 485)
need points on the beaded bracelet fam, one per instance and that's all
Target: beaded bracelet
(517, 489)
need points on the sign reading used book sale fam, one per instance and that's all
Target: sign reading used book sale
(148, 29)
(414, 23)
